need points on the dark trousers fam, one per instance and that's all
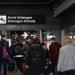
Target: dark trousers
(70, 72)
(51, 67)
(18, 61)
(35, 69)
(4, 69)
(33, 72)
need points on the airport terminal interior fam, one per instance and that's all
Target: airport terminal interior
(43, 19)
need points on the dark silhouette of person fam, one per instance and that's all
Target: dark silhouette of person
(18, 54)
(36, 59)
(3, 61)
(53, 53)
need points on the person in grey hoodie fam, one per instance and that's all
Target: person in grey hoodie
(66, 61)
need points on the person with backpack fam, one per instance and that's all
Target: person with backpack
(36, 59)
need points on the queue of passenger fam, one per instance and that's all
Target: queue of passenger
(33, 57)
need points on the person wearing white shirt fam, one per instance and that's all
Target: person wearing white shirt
(66, 61)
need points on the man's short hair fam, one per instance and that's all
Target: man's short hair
(53, 38)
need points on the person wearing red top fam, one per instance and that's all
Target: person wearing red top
(53, 53)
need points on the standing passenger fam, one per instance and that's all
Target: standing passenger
(3, 61)
(36, 58)
(27, 44)
(18, 54)
(66, 61)
(53, 53)
(45, 49)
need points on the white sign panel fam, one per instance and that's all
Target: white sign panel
(2, 19)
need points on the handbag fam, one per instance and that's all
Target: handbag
(5, 53)
(23, 66)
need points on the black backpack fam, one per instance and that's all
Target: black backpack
(36, 55)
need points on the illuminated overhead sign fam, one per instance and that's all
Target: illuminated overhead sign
(19, 19)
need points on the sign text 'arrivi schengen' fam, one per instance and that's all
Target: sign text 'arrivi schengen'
(20, 19)
(25, 19)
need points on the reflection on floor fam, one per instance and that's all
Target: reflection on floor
(19, 73)
(14, 73)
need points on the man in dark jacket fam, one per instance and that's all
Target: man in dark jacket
(36, 58)
(3, 61)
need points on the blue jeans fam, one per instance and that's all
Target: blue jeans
(69, 72)
(34, 73)
(4, 69)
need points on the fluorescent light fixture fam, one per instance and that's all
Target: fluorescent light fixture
(50, 36)
(74, 36)
(70, 37)
(0, 37)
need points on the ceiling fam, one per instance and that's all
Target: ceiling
(26, 1)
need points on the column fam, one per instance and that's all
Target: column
(41, 36)
(62, 35)
(57, 35)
